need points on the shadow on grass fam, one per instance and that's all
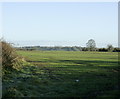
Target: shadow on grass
(106, 64)
(88, 61)
(48, 83)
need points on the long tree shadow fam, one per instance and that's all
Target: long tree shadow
(89, 85)
(88, 61)
(97, 63)
(49, 82)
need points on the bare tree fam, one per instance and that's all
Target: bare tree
(91, 45)
(110, 47)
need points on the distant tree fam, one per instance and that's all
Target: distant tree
(91, 45)
(102, 50)
(110, 47)
(116, 49)
(84, 49)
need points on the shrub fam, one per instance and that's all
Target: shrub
(10, 59)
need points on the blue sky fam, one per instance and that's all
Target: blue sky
(61, 23)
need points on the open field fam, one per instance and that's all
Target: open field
(64, 74)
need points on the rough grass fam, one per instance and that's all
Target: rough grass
(64, 74)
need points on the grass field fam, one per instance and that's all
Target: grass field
(64, 74)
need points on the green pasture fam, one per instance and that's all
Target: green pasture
(64, 74)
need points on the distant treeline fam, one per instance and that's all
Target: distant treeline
(59, 48)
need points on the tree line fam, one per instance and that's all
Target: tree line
(90, 46)
(73, 48)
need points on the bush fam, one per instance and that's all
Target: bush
(116, 49)
(10, 59)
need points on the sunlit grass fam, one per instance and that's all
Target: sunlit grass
(54, 74)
